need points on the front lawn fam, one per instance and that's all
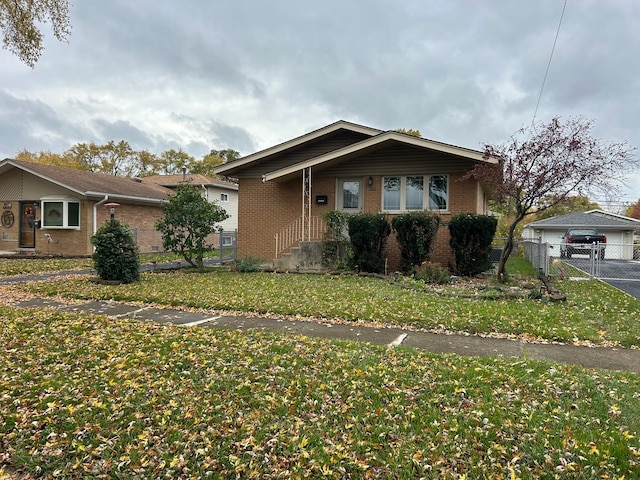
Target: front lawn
(594, 312)
(94, 397)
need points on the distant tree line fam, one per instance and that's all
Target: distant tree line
(121, 159)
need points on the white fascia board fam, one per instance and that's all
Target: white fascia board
(297, 141)
(383, 137)
(132, 198)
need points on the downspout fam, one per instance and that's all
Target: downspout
(95, 213)
(206, 192)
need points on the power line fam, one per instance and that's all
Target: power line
(546, 73)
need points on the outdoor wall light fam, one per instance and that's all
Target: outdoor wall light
(112, 208)
(370, 181)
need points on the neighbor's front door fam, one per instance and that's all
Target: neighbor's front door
(27, 225)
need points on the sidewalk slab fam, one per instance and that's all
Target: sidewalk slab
(460, 344)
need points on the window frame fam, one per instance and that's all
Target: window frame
(45, 213)
(426, 194)
(224, 197)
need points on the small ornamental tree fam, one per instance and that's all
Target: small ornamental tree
(415, 232)
(188, 219)
(116, 256)
(470, 239)
(368, 233)
(544, 164)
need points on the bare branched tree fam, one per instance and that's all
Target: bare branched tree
(543, 164)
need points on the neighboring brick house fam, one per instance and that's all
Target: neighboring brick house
(283, 190)
(55, 210)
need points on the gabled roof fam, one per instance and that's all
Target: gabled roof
(592, 218)
(375, 138)
(90, 184)
(227, 168)
(174, 181)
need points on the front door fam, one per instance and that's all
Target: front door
(350, 195)
(27, 225)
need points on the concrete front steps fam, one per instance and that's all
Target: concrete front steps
(307, 256)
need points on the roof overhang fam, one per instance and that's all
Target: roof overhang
(8, 163)
(378, 141)
(334, 127)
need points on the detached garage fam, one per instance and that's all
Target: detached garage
(618, 229)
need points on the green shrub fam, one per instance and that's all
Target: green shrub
(415, 232)
(116, 255)
(335, 244)
(248, 264)
(368, 233)
(471, 237)
(432, 273)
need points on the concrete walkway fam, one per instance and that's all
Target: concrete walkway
(470, 345)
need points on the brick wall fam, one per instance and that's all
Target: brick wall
(267, 208)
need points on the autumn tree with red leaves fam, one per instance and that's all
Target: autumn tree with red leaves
(551, 160)
(633, 210)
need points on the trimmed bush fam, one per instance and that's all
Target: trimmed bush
(471, 237)
(116, 256)
(368, 233)
(415, 232)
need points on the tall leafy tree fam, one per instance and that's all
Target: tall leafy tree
(188, 220)
(551, 162)
(20, 22)
(633, 210)
(65, 159)
(573, 203)
(172, 161)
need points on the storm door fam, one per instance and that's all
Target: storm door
(350, 195)
(27, 225)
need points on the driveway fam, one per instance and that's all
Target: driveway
(622, 274)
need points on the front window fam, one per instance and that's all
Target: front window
(224, 197)
(60, 213)
(409, 193)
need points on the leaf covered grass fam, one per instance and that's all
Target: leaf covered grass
(13, 266)
(110, 398)
(594, 312)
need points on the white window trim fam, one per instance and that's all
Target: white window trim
(224, 197)
(65, 213)
(425, 194)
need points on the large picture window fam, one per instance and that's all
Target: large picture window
(60, 213)
(415, 192)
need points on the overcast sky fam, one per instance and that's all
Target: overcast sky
(248, 74)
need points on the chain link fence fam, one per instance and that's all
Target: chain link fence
(611, 261)
(225, 242)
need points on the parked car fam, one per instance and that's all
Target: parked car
(583, 241)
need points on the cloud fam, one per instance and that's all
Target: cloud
(247, 75)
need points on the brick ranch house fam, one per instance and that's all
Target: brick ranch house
(284, 190)
(55, 210)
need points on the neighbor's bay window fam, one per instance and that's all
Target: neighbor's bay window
(60, 213)
(415, 192)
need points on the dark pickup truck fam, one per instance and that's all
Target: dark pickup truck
(582, 240)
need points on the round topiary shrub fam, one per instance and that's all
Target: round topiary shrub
(116, 256)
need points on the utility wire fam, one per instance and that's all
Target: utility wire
(546, 73)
